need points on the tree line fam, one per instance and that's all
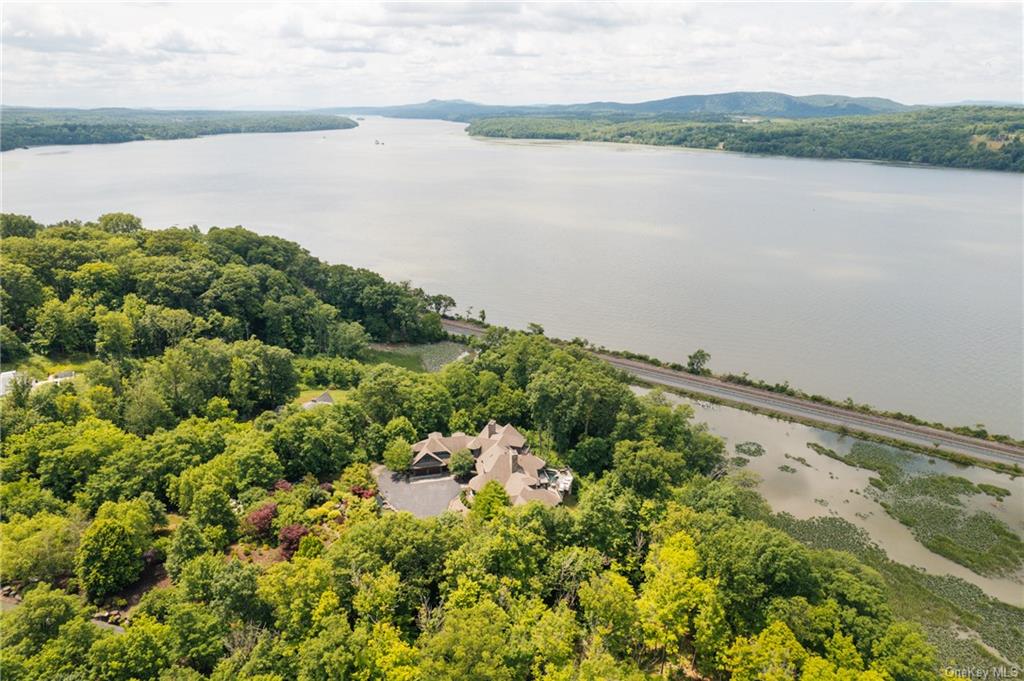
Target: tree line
(112, 288)
(986, 138)
(27, 127)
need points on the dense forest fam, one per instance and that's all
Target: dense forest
(28, 127)
(176, 474)
(986, 138)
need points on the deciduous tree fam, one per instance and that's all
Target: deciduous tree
(489, 501)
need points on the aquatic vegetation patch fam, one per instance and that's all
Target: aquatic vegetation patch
(993, 491)
(947, 488)
(875, 482)
(739, 461)
(829, 532)
(883, 460)
(979, 541)
(943, 605)
(750, 449)
(932, 507)
(786, 468)
(825, 451)
(799, 459)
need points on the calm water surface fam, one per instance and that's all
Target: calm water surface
(900, 287)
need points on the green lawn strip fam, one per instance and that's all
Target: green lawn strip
(41, 366)
(406, 360)
(306, 395)
(425, 357)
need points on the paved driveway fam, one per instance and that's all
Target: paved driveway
(423, 497)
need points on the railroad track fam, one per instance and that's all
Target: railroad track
(920, 436)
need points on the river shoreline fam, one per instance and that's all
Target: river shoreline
(710, 150)
(959, 446)
(824, 487)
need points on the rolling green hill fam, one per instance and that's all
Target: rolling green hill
(723, 104)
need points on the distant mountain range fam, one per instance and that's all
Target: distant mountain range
(987, 102)
(772, 104)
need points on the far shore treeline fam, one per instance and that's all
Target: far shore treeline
(30, 127)
(984, 138)
(825, 127)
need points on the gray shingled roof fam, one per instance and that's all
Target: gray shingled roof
(501, 455)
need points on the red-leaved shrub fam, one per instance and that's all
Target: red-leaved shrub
(364, 492)
(259, 523)
(290, 537)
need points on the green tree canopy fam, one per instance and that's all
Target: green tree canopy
(489, 501)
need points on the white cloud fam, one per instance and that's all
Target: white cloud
(48, 30)
(324, 54)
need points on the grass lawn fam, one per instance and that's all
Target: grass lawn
(338, 396)
(425, 357)
(405, 359)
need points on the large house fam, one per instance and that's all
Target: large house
(501, 454)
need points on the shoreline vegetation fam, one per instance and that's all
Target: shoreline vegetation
(783, 388)
(967, 625)
(932, 507)
(959, 459)
(174, 483)
(771, 124)
(969, 137)
(23, 127)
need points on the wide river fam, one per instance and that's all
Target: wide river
(900, 287)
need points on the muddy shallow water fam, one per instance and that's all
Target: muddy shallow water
(827, 487)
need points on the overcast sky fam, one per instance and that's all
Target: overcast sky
(184, 55)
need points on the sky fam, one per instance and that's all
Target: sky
(308, 55)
